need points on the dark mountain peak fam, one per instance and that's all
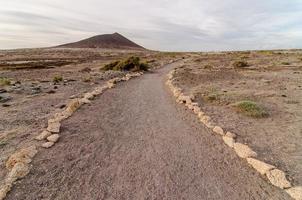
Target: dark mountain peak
(106, 41)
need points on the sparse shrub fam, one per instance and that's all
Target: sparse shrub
(208, 67)
(244, 57)
(57, 79)
(4, 81)
(86, 70)
(251, 109)
(285, 63)
(212, 97)
(110, 66)
(130, 64)
(240, 64)
(87, 79)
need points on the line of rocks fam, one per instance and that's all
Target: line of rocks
(18, 164)
(275, 176)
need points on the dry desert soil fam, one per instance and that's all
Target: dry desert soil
(134, 141)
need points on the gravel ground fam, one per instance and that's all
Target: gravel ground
(134, 142)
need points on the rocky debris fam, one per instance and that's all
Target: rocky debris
(53, 138)
(19, 171)
(53, 126)
(295, 192)
(47, 145)
(200, 114)
(229, 141)
(184, 99)
(205, 119)
(43, 135)
(209, 124)
(85, 101)
(35, 90)
(22, 156)
(73, 105)
(218, 130)
(230, 134)
(196, 109)
(3, 91)
(50, 91)
(278, 178)
(4, 189)
(110, 85)
(89, 96)
(260, 166)
(5, 98)
(244, 151)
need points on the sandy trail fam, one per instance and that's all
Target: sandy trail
(134, 142)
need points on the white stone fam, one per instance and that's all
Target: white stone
(18, 171)
(47, 145)
(204, 119)
(196, 110)
(218, 130)
(278, 178)
(43, 135)
(85, 101)
(260, 166)
(231, 135)
(53, 126)
(244, 151)
(4, 189)
(200, 114)
(295, 192)
(228, 141)
(110, 85)
(24, 155)
(89, 96)
(53, 138)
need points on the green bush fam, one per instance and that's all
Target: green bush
(57, 79)
(240, 64)
(130, 64)
(110, 66)
(4, 81)
(251, 109)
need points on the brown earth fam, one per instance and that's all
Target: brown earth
(273, 80)
(107, 41)
(33, 97)
(133, 142)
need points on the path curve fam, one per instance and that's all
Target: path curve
(134, 142)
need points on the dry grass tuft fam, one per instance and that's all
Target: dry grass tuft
(251, 109)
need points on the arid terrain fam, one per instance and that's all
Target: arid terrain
(270, 79)
(134, 141)
(33, 86)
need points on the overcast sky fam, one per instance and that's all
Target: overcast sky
(175, 25)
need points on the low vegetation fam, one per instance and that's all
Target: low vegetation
(57, 79)
(285, 63)
(4, 81)
(251, 109)
(240, 64)
(87, 79)
(208, 67)
(130, 64)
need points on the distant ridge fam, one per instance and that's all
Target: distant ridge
(106, 41)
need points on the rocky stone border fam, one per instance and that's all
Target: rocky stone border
(18, 164)
(275, 176)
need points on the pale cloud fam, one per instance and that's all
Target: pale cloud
(176, 25)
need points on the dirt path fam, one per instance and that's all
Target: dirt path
(133, 142)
